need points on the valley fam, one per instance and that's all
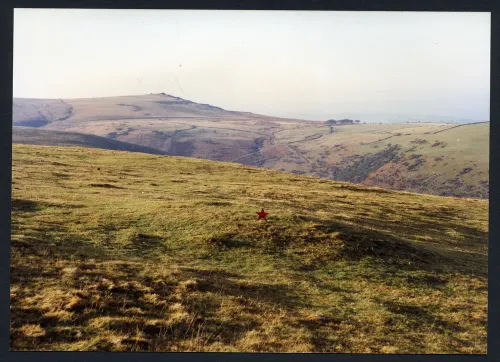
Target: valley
(439, 159)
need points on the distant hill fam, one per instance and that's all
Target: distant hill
(434, 158)
(35, 136)
(32, 112)
(66, 112)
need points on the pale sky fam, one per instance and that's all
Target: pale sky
(303, 64)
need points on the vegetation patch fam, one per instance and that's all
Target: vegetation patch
(439, 143)
(108, 186)
(414, 166)
(465, 171)
(357, 168)
(419, 141)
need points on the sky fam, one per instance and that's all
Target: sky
(316, 65)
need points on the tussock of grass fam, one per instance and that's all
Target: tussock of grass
(156, 265)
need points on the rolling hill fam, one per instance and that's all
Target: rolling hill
(36, 136)
(120, 251)
(440, 159)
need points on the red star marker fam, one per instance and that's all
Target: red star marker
(262, 214)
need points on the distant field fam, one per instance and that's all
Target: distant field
(439, 159)
(120, 251)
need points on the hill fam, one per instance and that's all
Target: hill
(66, 112)
(122, 251)
(36, 136)
(440, 159)
(446, 160)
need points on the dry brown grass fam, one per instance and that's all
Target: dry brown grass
(158, 265)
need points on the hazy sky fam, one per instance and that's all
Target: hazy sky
(304, 64)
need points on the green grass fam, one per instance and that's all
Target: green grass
(124, 251)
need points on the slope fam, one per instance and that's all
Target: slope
(125, 251)
(36, 136)
(446, 160)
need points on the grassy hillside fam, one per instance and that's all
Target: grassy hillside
(125, 251)
(32, 112)
(36, 136)
(439, 159)
(444, 160)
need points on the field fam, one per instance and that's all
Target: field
(117, 251)
(438, 159)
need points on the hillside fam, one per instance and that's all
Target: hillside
(446, 160)
(36, 136)
(117, 251)
(66, 112)
(440, 159)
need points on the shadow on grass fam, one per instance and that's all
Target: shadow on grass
(361, 242)
(444, 220)
(145, 245)
(320, 284)
(465, 253)
(233, 285)
(24, 205)
(103, 285)
(418, 317)
(228, 241)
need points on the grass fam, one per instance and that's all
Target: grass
(116, 251)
